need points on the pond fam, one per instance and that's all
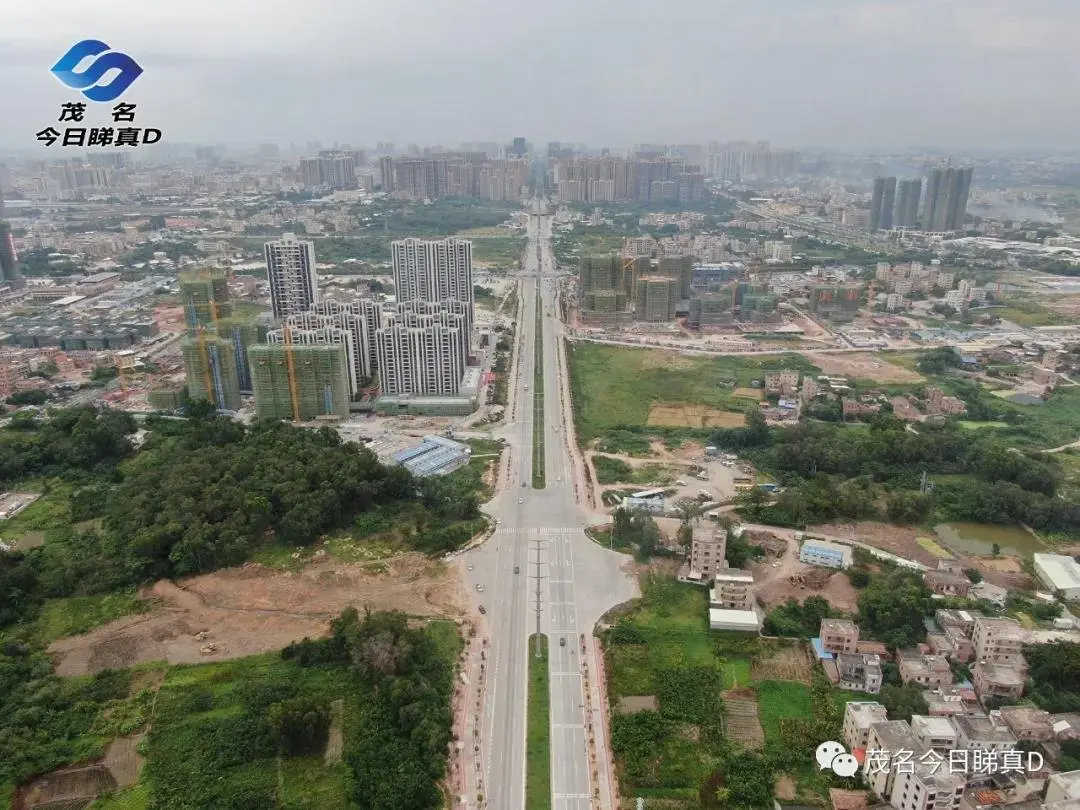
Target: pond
(979, 539)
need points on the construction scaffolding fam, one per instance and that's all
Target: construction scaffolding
(210, 362)
(205, 295)
(299, 383)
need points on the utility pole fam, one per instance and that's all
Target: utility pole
(538, 541)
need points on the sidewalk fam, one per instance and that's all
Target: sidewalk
(466, 775)
(602, 779)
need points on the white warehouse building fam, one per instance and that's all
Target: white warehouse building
(1060, 574)
(825, 553)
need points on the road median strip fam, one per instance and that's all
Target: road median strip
(538, 733)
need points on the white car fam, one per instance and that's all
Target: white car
(479, 587)
(521, 500)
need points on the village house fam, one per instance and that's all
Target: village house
(928, 671)
(998, 640)
(997, 680)
(859, 715)
(858, 672)
(839, 635)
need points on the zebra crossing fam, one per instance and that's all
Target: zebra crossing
(545, 531)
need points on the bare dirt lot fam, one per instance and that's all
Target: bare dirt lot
(693, 416)
(254, 609)
(865, 366)
(773, 578)
(899, 540)
(1062, 304)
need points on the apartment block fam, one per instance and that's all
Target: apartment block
(421, 355)
(290, 269)
(859, 715)
(781, 382)
(839, 635)
(434, 270)
(998, 640)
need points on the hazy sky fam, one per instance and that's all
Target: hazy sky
(844, 73)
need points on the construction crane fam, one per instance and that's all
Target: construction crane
(290, 366)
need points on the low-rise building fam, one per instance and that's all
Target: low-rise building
(825, 553)
(1059, 573)
(859, 672)
(886, 740)
(949, 701)
(928, 671)
(947, 583)
(1028, 723)
(928, 786)
(989, 592)
(997, 640)
(964, 620)
(746, 621)
(976, 731)
(839, 635)
(937, 733)
(1063, 787)
(733, 589)
(998, 680)
(859, 715)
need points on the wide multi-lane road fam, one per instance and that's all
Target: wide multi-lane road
(541, 535)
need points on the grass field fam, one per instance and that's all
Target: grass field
(538, 735)
(780, 699)
(51, 511)
(968, 425)
(499, 251)
(538, 467)
(1024, 311)
(615, 386)
(736, 672)
(79, 614)
(930, 545)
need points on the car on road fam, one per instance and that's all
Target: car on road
(479, 587)
(483, 610)
(521, 500)
(562, 641)
(517, 569)
(523, 485)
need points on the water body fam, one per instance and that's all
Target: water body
(979, 539)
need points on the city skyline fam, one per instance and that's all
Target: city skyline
(287, 84)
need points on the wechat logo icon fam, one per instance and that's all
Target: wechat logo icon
(833, 756)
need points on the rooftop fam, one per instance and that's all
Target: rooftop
(841, 626)
(1002, 674)
(432, 456)
(1062, 571)
(936, 727)
(981, 727)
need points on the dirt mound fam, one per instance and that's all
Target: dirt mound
(253, 609)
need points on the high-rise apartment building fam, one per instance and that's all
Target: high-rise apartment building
(421, 354)
(204, 294)
(654, 299)
(947, 193)
(881, 204)
(362, 318)
(330, 169)
(290, 269)
(300, 381)
(907, 205)
(435, 270)
(212, 374)
(9, 259)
